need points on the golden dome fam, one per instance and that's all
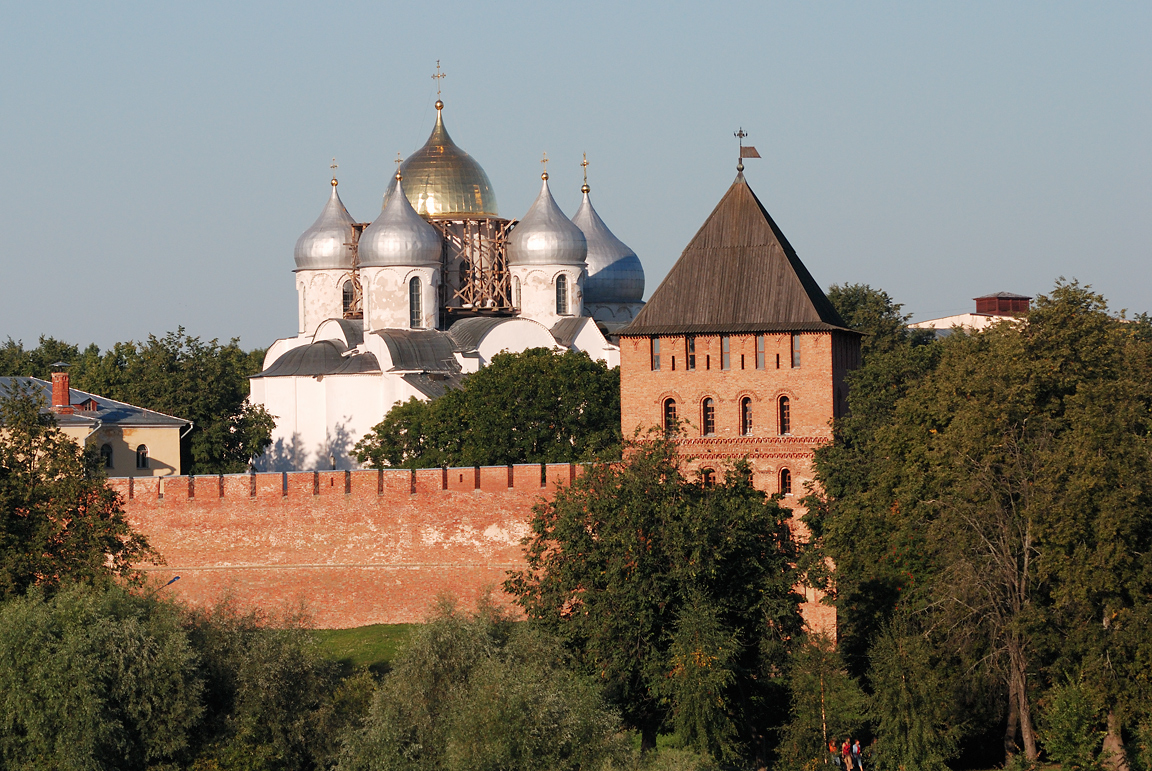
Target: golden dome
(441, 180)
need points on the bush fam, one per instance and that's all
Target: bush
(1071, 727)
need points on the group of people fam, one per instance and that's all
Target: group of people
(847, 756)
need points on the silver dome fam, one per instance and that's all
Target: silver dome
(326, 243)
(399, 236)
(615, 274)
(545, 236)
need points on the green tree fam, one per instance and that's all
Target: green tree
(531, 407)
(827, 705)
(59, 522)
(677, 596)
(483, 694)
(93, 680)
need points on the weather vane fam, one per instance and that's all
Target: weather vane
(544, 160)
(439, 76)
(745, 152)
(584, 163)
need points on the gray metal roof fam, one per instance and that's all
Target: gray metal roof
(327, 244)
(467, 333)
(108, 411)
(433, 386)
(420, 350)
(545, 236)
(399, 236)
(325, 357)
(615, 274)
(565, 330)
(737, 274)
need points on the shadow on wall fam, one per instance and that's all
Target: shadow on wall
(292, 455)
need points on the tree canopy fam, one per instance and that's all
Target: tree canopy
(537, 406)
(177, 374)
(675, 595)
(59, 522)
(989, 497)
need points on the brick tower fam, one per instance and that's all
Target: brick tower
(741, 349)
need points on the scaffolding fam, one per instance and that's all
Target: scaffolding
(476, 281)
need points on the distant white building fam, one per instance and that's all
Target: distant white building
(428, 292)
(990, 309)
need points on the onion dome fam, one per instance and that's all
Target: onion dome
(399, 236)
(615, 274)
(327, 243)
(441, 180)
(545, 236)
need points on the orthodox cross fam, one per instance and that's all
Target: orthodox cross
(333, 166)
(398, 161)
(544, 160)
(439, 76)
(584, 163)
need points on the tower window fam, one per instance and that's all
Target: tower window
(142, 456)
(561, 295)
(415, 309)
(709, 415)
(691, 344)
(516, 292)
(106, 455)
(655, 354)
(785, 416)
(795, 350)
(785, 482)
(777, 361)
(725, 359)
(349, 297)
(746, 416)
(759, 351)
(670, 421)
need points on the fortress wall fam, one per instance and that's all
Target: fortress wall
(354, 547)
(357, 547)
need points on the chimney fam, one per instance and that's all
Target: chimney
(61, 393)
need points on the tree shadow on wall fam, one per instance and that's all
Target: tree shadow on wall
(283, 455)
(291, 454)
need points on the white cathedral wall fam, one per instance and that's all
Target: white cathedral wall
(386, 296)
(592, 341)
(321, 296)
(514, 336)
(538, 291)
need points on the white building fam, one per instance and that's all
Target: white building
(990, 309)
(433, 288)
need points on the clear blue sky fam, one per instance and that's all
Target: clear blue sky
(160, 159)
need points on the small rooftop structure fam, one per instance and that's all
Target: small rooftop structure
(990, 308)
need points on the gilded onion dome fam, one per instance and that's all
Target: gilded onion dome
(399, 236)
(615, 274)
(441, 180)
(545, 236)
(327, 243)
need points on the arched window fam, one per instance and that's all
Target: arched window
(561, 295)
(707, 477)
(415, 309)
(746, 416)
(785, 416)
(106, 455)
(670, 422)
(349, 297)
(785, 482)
(708, 424)
(142, 456)
(516, 292)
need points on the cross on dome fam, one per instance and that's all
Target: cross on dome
(333, 166)
(544, 160)
(584, 188)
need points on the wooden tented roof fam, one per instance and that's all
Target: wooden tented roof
(737, 274)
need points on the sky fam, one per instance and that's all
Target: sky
(161, 159)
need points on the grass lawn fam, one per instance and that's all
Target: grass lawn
(368, 646)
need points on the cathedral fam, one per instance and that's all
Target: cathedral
(432, 289)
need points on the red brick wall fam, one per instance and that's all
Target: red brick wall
(816, 391)
(368, 547)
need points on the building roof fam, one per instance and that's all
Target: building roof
(566, 330)
(106, 411)
(737, 274)
(1005, 295)
(420, 350)
(325, 357)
